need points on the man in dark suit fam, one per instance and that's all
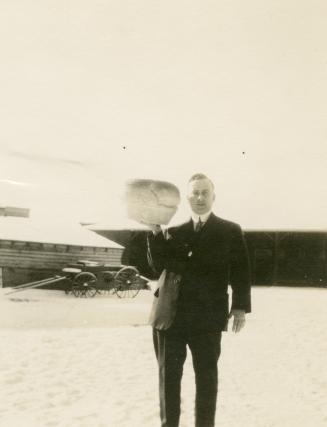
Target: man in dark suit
(209, 253)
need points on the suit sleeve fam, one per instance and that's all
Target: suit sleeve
(240, 275)
(164, 253)
(156, 252)
(135, 254)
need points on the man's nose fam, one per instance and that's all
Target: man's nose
(200, 197)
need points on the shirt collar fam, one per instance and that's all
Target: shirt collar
(204, 217)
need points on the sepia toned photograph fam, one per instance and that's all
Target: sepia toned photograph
(163, 213)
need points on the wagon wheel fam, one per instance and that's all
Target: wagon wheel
(126, 282)
(83, 284)
(90, 291)
(76, 291)
(110, 291)
(109, 283)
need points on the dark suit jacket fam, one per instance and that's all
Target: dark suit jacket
(135, 253)
(208, 262)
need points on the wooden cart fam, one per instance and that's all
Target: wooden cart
(86, 279)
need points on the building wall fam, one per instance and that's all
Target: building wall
(290, 258)
(22, 262)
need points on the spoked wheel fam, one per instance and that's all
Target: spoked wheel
(111, 291)
(90, 291)
(109, 283)
(83, 285)
(127, 282)
(76, 291)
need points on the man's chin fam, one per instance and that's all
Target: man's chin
(200, 210)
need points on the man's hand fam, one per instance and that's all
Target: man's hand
(239, 319)
(155, 228)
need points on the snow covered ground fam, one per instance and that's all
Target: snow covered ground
(72, 362)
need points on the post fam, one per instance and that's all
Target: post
(275, 258)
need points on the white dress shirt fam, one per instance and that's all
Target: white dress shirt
(196, 218)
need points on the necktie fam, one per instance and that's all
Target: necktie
(198, 225)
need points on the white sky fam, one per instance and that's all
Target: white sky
(184, 86)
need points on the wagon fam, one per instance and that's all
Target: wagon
(87, 279)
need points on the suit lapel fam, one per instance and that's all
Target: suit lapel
(207, 227)
(187, 234)
(212, 226)
(186, 228)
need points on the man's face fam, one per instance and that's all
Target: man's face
(200, 196)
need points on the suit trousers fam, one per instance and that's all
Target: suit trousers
(170, 348)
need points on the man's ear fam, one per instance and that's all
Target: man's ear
(214, 196)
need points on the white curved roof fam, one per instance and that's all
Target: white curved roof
(55, 231)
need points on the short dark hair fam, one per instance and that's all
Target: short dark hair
(198, 176)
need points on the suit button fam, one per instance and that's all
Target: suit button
(176, 280)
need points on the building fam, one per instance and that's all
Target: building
(288, 257)
(33, 250)
(278, 257)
